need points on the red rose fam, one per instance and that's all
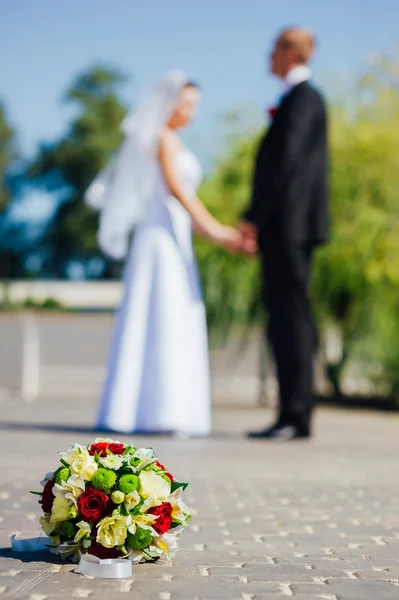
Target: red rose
(100, 448)
(93, 505)
(116, 448)
(101, 552)
(164, 521)
(166, 472)
(48, 496)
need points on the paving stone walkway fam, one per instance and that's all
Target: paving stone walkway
(307, 520)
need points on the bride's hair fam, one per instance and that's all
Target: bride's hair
(192, 84)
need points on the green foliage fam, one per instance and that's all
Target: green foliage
(231, 282)
(69, 165)
(68, 530)
(48, 304)
(7, 157)
(356, 276)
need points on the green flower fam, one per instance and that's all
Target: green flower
(68, 530)
(104, 480)
(62, 474)
(140, 539)
(128, 484)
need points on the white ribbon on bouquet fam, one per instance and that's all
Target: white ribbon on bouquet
(90, 566)
(108, 568)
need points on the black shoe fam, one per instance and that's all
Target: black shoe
(279, 432)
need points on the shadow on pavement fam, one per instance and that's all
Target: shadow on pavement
(51, 427)
(30, 557)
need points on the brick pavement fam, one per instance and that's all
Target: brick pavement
(307, 520)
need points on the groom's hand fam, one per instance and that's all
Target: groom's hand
(249, 233)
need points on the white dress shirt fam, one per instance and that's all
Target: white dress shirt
(296, 76)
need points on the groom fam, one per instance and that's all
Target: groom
(288, 217)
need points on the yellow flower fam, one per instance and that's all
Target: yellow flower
(47, 526)
(146, 456)
(153, 486)
(180, 511)
(83, 531)
(72, 489)
(60, 510)
(143, 521)
(131, 500)
(68, 455)
(83, 464)
(149, 503)
(167, 543)
(112, 531)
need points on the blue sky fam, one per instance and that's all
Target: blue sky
(222, 43)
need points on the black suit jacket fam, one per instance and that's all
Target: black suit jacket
(289, 199)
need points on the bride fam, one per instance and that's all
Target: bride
(158, 377)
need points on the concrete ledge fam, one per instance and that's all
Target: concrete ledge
(71, 294)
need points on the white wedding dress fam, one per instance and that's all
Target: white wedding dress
(158, 372)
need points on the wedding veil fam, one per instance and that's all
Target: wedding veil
(122, 191)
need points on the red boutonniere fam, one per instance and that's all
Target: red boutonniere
(272, 111)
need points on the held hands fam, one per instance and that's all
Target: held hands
(242, 240)
(249, 233)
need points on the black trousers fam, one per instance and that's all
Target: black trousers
(291, 330)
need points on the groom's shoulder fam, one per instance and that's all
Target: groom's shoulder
(311, 91)
(308, 88)
(306, 96)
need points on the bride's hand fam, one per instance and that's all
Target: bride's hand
(228, 237)
(233, 240)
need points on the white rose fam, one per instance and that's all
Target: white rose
(72, 489)
(70, 453)
(112, 461)
(153, 486)
(81, 463)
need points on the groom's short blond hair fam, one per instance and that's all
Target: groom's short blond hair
(301, 39)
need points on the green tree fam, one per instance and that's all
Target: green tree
(8, 156)
(356, 276)
(231, 282)
(69, 165)
(10, 255)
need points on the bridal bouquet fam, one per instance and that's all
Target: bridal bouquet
(112, 501)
